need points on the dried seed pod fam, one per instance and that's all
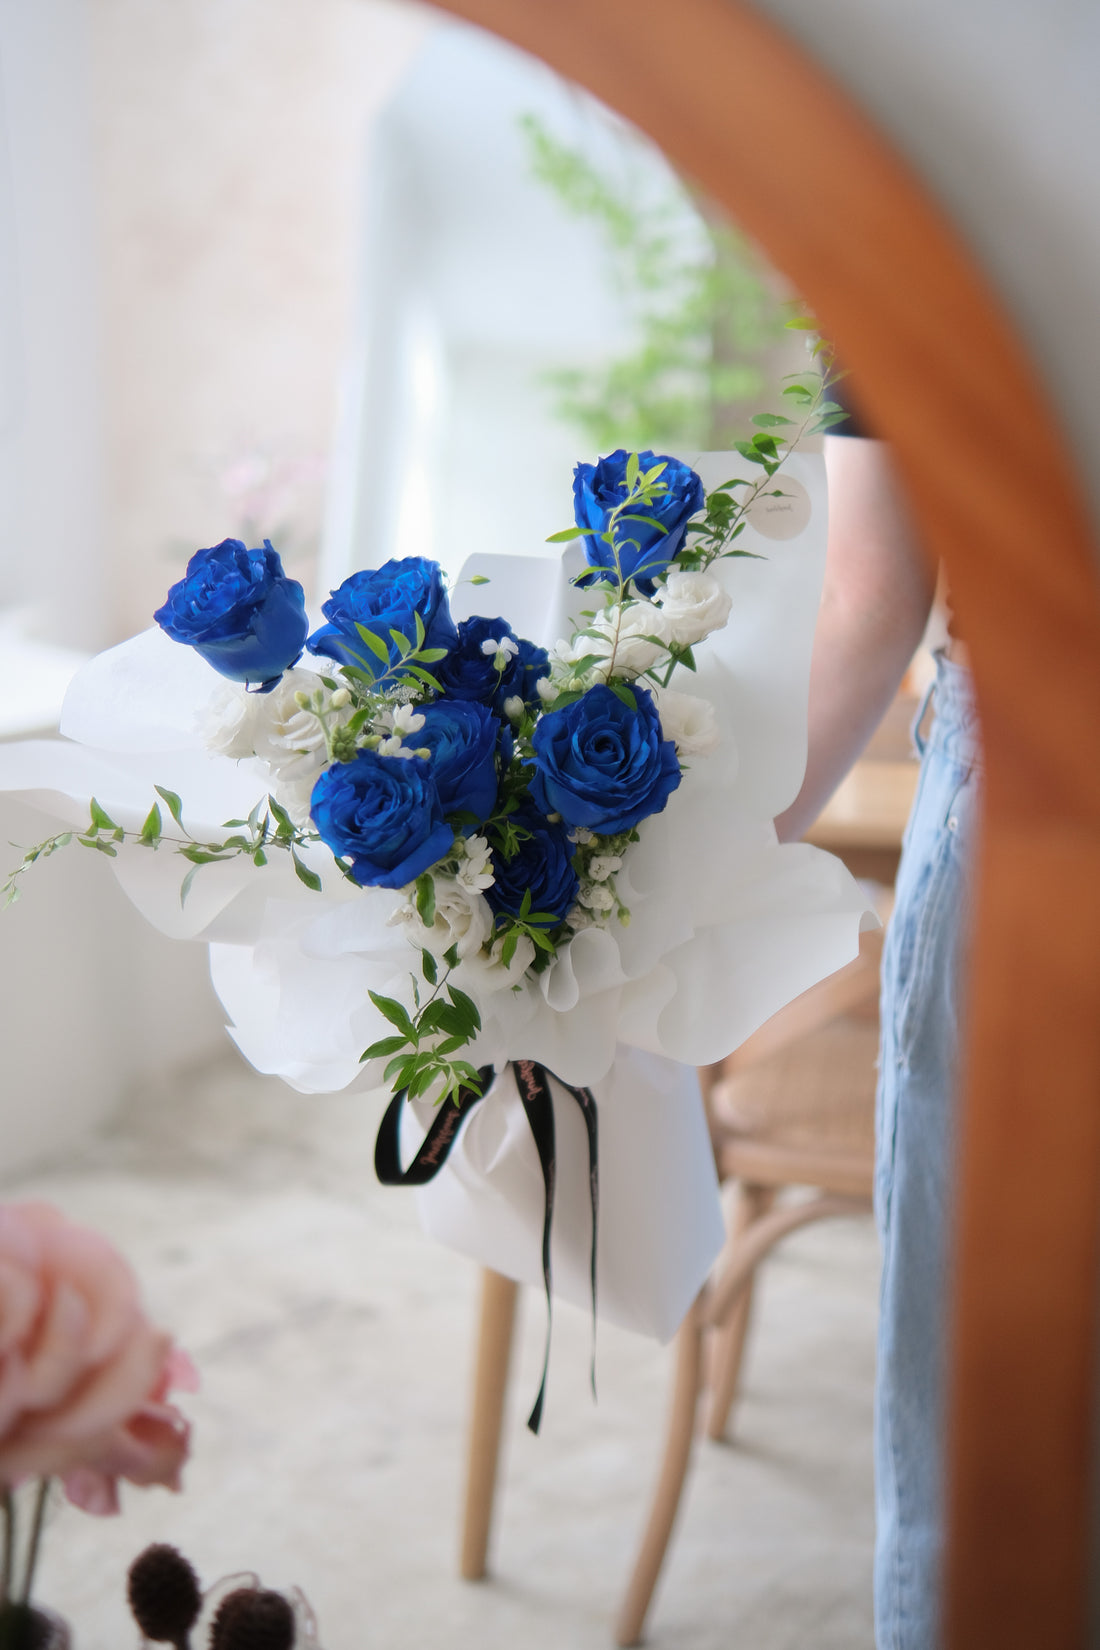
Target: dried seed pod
(164, 1595)
(253, 1618)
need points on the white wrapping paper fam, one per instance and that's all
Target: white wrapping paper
(726, 925)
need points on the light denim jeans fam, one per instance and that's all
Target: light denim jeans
(915, 1127)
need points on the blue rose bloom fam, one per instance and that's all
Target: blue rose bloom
(644, 548)
(543, 866)
(464, 738)
(384, 814)
(602, 765)
(383, 599)
(468, 672)
(238, 609)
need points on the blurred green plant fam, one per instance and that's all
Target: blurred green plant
(705, 310)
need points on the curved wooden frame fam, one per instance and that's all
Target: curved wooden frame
(941, 373)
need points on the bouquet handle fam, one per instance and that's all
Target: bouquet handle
(533, 1086)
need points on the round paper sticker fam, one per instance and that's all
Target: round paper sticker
(783, 517)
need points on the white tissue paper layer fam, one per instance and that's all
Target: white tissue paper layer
(726, 925)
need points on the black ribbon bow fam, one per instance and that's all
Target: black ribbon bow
(533, 1086)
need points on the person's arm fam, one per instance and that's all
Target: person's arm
(874, 606)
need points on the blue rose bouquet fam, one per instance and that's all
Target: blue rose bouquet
(497, 785)
(429, 837)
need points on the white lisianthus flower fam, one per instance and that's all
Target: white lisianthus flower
(462, 918)
(227, 722)
(486, 971)
(602, 866)
(694, 604)
(689, 721)
(291, 740)
(631, 637)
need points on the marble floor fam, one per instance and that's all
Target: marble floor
(334, 1343)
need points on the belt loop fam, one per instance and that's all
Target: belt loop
(917, 737)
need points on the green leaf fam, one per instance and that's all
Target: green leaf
(431, 655)
(632, 468)
(281, 817)
(385, 1046)
(259, 857)
(425, 899)
(399, 1070)
(801, 323)
(429, 967)
(479, 578)
(304, 874)
(185, 885)
(401, 641)
(200, 856)
(565, 535)
(450, 956)
(395, 1013)
(375, 643)
(465, 1005)
(173, 803)
(151, 828)
(770, 421)
(101, 819)
(625, 694)
(422, 676)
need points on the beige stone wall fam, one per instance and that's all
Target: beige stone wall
(229, 140)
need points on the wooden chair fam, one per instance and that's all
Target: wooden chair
(793, 1107)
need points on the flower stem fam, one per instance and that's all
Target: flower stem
(37, 1524)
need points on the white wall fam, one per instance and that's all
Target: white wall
(997, 103)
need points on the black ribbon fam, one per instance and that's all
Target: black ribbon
(533, 1087)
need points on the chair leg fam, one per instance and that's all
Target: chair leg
(666, 1501)
(752, 1202)
(494, 1350)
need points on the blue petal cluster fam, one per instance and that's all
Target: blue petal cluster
(642, 550)
(383, 813)
(465, 741)
(543, 866)
(383, 599)
(468, 673)
(602, 765)
(238, 609)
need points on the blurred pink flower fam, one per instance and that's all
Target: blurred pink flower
(84, 1377)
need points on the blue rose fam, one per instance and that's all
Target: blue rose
(465, 740)
(642, 548)
(469, 672)
(601, 765)
(543, 867)
(238, 609)
(384, 814)
(383, 599)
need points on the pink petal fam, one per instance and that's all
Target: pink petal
(93, 1492)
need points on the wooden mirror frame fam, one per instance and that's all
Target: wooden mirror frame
(941, 372)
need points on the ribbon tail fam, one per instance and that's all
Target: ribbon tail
(533, 1084)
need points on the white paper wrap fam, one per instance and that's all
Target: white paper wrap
(726, 925)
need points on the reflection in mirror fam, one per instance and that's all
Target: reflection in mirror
(505, 278)
(537, 284)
